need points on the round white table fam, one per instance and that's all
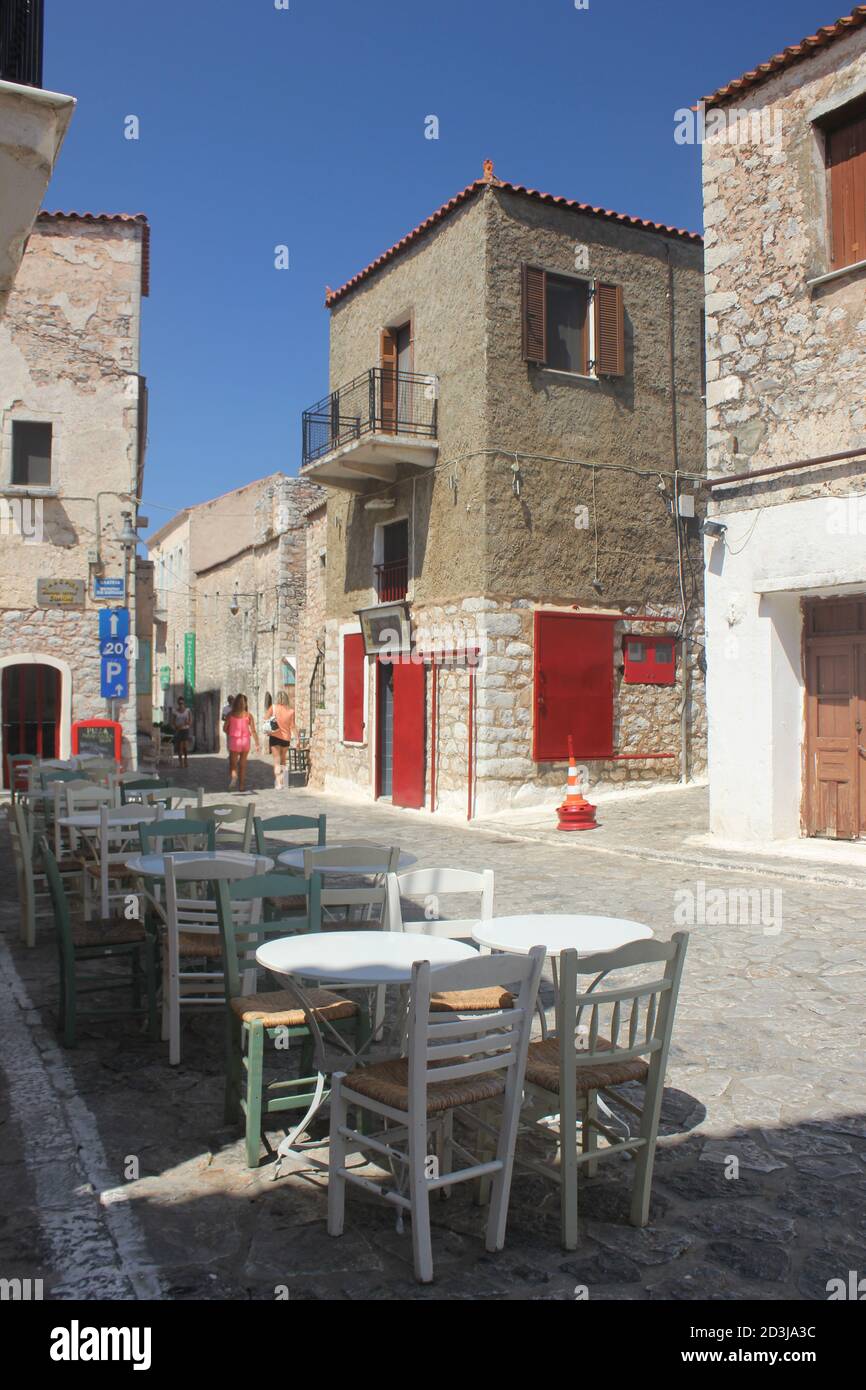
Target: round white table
(294, 859)
(361, 958)
(117, 815)
(153, 865)
(558, 932)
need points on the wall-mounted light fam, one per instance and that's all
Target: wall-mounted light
(234, 606)
(714, 529)
(128, 536)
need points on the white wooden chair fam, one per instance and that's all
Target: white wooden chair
(114, 844)
(432, 885)
(455, 1062)
(606, 1038)
(192, 935)
(66, 841)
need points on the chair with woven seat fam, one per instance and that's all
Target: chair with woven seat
(86, 942)
(192, 936)
(431, 885)
(265, 826)
(455, 1062)
(170, 797)
(132, 789)
(277, 1015)
(626, 1039)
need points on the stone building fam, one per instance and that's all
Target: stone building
(72, 447)
(311, 641)
(229, 583)
(784, 173)
(515, 407)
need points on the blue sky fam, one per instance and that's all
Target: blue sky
(304, 127)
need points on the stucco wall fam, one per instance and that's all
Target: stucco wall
(69, 355)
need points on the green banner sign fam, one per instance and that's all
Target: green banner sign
(189, 666)
(164, 677)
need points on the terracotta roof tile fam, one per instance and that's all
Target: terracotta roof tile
(333, 297)
(140, 217)
(807, 48)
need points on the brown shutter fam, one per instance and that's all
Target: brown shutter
(609, 331)
(534, 312)
(846, 159)
(389, 381)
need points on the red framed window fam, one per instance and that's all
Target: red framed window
(649, 660)
(354, 680)
(573, 686)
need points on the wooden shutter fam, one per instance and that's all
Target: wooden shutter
(388, 356)
(846, 160)
(407, 787)
(354, 679)
(609, 331)
(573, 686)
(534, 314)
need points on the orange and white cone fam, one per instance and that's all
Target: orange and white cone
(575, 813)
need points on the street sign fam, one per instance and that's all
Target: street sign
(109, 588)
(113, 632)
(114, 678)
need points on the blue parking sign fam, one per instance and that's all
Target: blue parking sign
(114, 678)
(113, 632)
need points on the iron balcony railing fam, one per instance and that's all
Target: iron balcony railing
(392, 581)
(379, 401)
(21, 29)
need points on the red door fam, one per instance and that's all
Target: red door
(409, 734)
(573, 686)
(30, 699)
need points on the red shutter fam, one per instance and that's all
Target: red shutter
(573, 686)
(609, 331)
(389, 380)
(407, 784)
(846, 159)
(534, 313)
(354, 677)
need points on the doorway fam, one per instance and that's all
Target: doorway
(401, 732)
(385, 729)
(396, 359)
(835, 771)
(30, 697)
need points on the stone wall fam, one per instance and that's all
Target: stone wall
(69, 356)
(786, 361)
(311, 637)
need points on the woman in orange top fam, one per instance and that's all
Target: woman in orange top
(282, 715)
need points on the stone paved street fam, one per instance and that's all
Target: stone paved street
(767, 1068)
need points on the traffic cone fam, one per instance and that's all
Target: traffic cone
(575, 813)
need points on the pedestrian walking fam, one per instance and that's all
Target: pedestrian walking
(181, 723)
(281, 734)
(239, 729)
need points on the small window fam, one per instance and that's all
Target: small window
(31, 454)
(567, 325)
(649, 661)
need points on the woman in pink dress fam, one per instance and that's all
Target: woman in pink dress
(239, 729)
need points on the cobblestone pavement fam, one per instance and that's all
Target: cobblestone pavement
(767, 1068)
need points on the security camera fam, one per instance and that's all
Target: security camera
(715, 529)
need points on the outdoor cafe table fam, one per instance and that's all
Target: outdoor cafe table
(558, 932)
(153, 865)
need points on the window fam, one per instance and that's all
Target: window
(567, 325)
(573, 686)
(649, 661)
(392, 572)
(846, 166)
(353, 687)
(572, 325)
(31, 454)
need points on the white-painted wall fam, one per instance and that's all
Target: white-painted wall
(770, 558)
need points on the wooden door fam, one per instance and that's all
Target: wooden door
(389, 360)
(860, 730)
(30, 700)
(409, 734)
(573, 686)
(833, 796)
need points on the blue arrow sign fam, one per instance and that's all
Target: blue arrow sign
(114, 678)
(113, 631)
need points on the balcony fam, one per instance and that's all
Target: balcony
(33, 125)
(380, 428)
(392, 581)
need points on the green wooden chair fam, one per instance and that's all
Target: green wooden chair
(176, 836)
(606, 1037)
(81, 943)
(273, 823)
(277, 1014)
(233, 825)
